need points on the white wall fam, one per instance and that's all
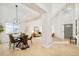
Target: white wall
(30, 26)
(59, 21)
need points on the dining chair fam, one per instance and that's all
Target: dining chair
(12, 41)
(73, 40)
(25, 40)
(30, 38)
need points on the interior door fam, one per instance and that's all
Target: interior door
(68, 31)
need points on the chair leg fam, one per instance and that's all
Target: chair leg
(14, 46)
(9, 45)
(31, 41)
(70, 40)
(75, 41)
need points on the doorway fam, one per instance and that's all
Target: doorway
(68, 31)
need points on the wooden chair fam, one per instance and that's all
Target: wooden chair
(12, 41)
(30, 38)
(73, 40)
(24, 40)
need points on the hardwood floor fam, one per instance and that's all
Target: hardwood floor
(59, 48)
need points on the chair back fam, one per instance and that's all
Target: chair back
(11, 38)
(30, 37)
(24, 40)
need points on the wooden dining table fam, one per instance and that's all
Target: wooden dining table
(20, 40)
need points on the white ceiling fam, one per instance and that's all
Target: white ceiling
(34, 7)
(8, 11)
(31, 11)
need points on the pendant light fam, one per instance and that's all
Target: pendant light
(16, 14)
(16, 21)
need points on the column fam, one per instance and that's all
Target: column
(77, 18)
(46, 31)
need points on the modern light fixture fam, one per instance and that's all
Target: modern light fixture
(16, 13)
(16, 21)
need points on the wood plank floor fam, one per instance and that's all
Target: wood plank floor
(59, 48)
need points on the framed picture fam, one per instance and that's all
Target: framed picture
(36, 29)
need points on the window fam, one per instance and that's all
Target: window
(12, 28)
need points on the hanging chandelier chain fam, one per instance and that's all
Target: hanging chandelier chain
(16, 14)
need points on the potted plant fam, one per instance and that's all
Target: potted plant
(1, 29)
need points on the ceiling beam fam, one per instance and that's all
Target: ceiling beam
(64, 8)
(34, 7)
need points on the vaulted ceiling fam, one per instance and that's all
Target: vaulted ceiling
(31, 11)
(25, 11)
